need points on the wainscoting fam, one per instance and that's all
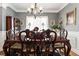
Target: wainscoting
(73, 36)
(2, 38)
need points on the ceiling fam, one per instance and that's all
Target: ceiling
(47, 7)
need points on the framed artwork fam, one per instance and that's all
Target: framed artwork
(71, 17)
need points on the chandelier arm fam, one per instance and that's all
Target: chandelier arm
(35, 10)
(35, 5)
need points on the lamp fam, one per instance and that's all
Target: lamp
(34, 10)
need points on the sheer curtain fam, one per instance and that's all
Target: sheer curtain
(41, 22)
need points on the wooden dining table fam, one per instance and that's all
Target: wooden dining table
(10, 42)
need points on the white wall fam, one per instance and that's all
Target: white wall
(2, 39)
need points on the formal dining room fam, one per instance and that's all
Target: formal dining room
(39, 29)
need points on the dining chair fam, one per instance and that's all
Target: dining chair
(53, 37)
(13, 47)
(63, 36)
(8, 36)
(26, 37)
(22, 37)
(19, 47)
(28, 43)
(64, 33)
(67, 47)
(49, 39)
(31, 44)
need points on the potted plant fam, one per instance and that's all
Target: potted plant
(56, 27)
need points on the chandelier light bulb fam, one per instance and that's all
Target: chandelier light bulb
(40, 8)
(32, 6)
(35, 12)
(29, 10)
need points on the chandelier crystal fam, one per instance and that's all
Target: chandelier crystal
(35, 10)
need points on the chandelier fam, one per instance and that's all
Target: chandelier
(35, 10)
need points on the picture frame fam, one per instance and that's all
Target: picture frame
(71, 17)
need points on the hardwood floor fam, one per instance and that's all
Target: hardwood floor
(71, 53)
(2, 53)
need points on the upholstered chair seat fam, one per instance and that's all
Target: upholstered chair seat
(16, 45)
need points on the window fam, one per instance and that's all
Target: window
(40, 21)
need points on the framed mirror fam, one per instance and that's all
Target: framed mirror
(71, 17)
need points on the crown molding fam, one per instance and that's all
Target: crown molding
(49, 11)
(63, 7)
(3, 5)
(12, 7)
